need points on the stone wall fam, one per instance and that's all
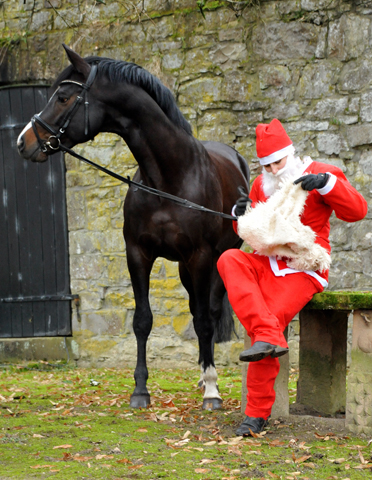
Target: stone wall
(306, 62)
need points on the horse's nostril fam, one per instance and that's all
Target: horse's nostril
(20, 144)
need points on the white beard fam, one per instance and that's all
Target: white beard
(293, 169)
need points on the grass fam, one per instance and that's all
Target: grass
(54, 422)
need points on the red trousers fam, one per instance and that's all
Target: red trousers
(265, 305)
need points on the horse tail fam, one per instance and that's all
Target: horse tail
(225, 327)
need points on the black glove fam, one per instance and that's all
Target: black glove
(312, 181)
(241, 204)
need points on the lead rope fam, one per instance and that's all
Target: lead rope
(173, 198)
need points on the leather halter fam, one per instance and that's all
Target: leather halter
(54, 141)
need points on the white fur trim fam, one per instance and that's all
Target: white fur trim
(274, 228)
(274, 157)
(329, 185)
(285, 271)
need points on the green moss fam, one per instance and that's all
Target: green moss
(341, 300)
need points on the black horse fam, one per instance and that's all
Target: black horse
(125, 99)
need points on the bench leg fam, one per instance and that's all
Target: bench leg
(322, 361)
(281, 405)
(359, 390)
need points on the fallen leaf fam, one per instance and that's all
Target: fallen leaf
(302, 459)
(142, 430)
(234, 450)
(362, 460)
(36, 435)
(202, 470)
(276, 443)
(204, 461)
(123, 460)
(234, 440)
(62, 446)
(42, 466)
(222, 467)
(272, 475)
(81, 458)
(168, 403)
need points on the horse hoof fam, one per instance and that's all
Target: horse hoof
(212, 404)
(140, 401)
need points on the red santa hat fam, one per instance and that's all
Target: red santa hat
(272, 142)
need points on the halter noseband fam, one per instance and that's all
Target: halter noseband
(54, 141)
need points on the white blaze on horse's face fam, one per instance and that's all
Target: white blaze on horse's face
(20, 136)
(28, 146)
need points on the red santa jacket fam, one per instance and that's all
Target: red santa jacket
(338, 196)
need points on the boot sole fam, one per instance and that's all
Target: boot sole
(246, 433)
(279, 351)
(256, 357)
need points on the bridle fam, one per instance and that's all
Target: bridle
(54, 144)
(54, 141)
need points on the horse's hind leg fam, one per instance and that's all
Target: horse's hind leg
(198, 284)
(140, 269)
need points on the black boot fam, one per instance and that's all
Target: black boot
(279, 351)
(251, 424)
(260, 350)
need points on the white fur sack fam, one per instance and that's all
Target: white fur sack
(274, 228)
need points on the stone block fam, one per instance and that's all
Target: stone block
(355, 75)
(346, 39)
(34, 349)
(322, 362)
(88, 267)
(365, 107)
(206, 89)
(76, 209)
(330, 143)
(318, 79)
(280, 41)
(273, 75)
(104, 322)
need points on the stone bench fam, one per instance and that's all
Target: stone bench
(321, 385)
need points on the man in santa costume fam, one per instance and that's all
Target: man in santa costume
(263, 291)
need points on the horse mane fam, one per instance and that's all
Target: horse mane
(119, 71)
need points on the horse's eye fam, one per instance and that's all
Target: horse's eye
(62, 99)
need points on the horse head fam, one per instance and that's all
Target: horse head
(70, 117)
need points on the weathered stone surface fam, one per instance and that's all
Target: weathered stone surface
(356, 74)
(318, 79)
(359, 399)
(346, 39)
(328, 108)
(279, 41)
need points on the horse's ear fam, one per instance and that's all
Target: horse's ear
(77, 61)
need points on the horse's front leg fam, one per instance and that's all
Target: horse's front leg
(140, 269)
(197, 281)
